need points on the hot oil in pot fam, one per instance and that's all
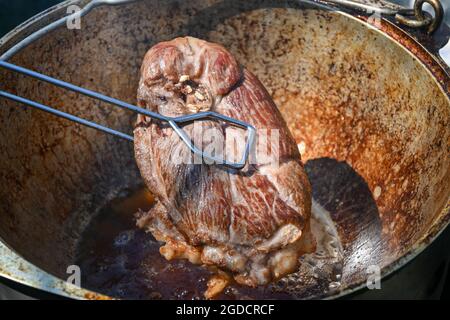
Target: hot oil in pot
(118, 259)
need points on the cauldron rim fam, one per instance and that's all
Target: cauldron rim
(60, 287)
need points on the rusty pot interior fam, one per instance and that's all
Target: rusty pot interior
(371, 122)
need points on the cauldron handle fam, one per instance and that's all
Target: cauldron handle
(435, 41)
(414, 18)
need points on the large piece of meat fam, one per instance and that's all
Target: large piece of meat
(251, 225)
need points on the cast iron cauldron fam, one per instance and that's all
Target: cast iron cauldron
(369, 107)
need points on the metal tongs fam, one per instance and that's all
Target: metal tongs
(175, 122)
(421, 20)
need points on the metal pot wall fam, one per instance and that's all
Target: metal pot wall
(369, 107)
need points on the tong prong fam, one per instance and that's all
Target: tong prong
(251, 132)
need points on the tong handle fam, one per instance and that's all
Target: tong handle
(173, 122)
(65, 115)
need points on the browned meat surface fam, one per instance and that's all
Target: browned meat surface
(250, 225)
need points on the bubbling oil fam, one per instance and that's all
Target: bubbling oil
(120, 260)
(320, 271)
